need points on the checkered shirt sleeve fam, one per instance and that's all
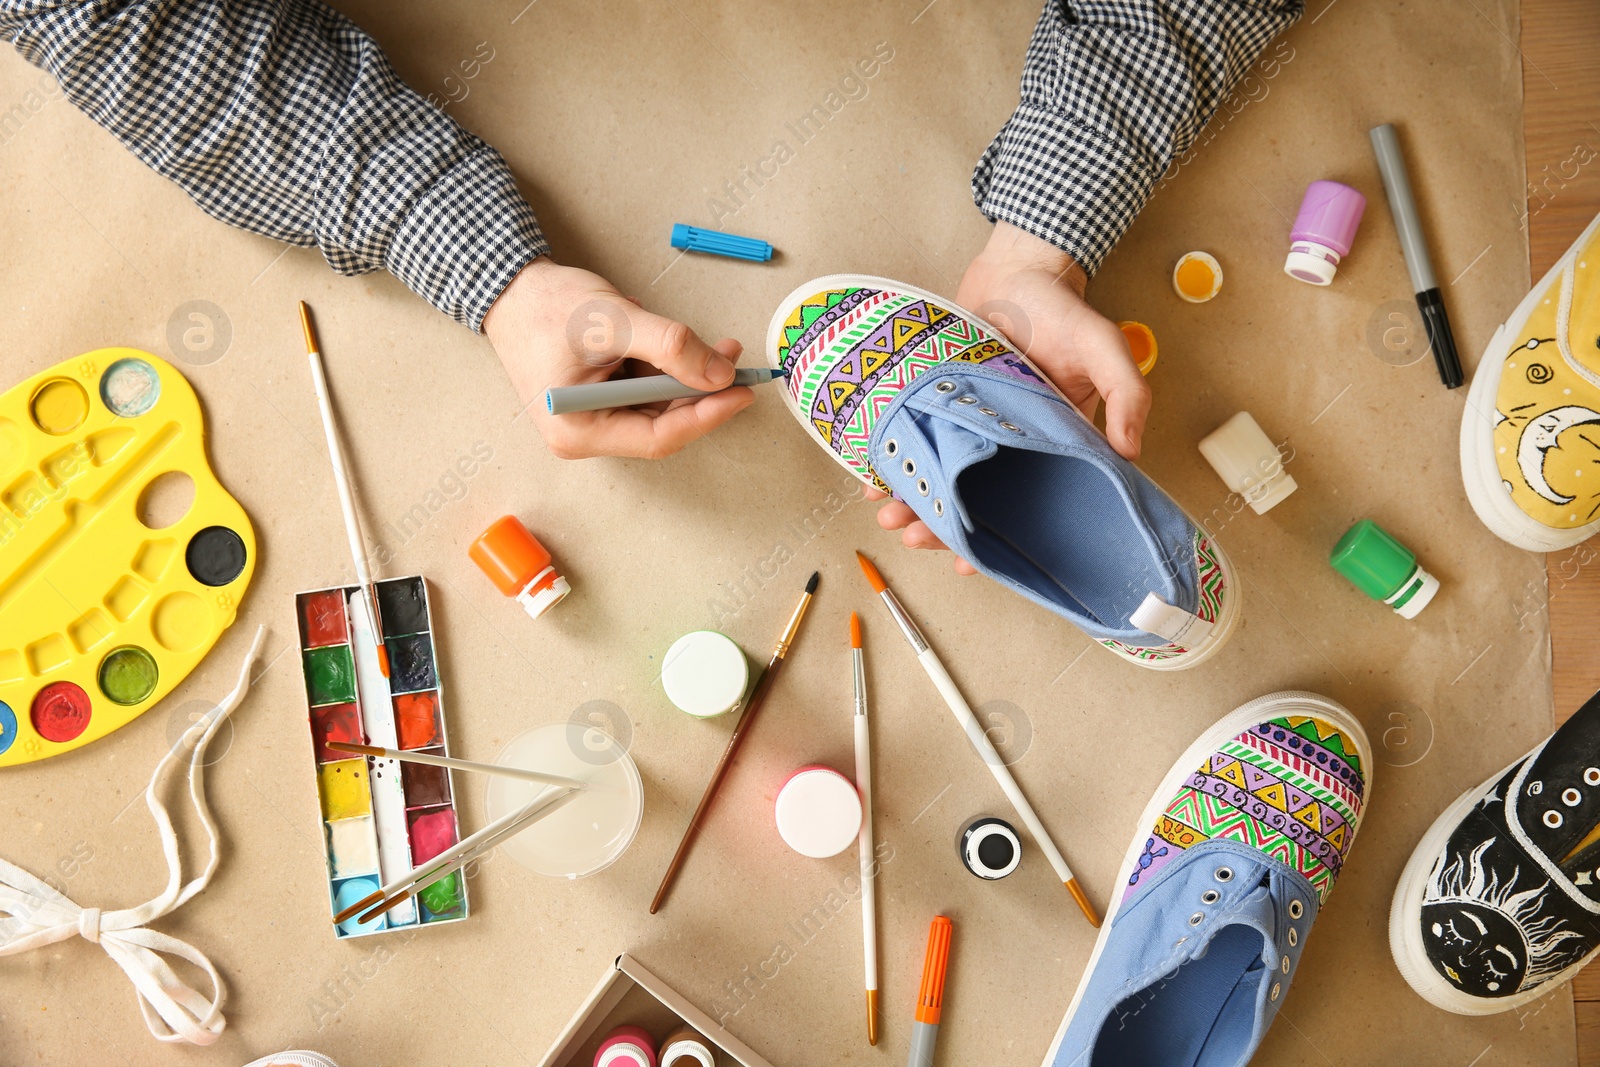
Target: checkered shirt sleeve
(283, 118)
(1112, 92)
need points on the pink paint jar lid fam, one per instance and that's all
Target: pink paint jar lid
(818, 812)
(626, 1046)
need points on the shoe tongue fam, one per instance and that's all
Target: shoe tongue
(1556, 798)
(1255, 911)
(1583, 325)
(958, 447)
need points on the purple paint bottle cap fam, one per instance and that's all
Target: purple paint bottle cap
(1323, 231)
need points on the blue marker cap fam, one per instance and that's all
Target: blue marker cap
(694, 239)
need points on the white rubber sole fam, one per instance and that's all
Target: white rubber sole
(1271, 706)
(1231, 607)
(1405, 921)
(1480, 473)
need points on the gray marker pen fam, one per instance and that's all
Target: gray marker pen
(626, 392)
(1397, 187)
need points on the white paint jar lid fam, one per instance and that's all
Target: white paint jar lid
(818, 812)
(705, 673)
(687, 1052)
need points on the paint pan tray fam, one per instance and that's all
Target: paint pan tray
(380, 817)
(101, 614)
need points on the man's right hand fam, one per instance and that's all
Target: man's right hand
(555, 325)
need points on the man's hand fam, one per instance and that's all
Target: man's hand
(556, 325)
(1032, 292)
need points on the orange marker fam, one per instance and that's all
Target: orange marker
(930, 998)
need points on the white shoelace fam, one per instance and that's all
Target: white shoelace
(37, 915)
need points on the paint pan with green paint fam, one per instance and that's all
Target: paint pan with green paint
(1384, 569)
(330, 675)
(128, 675)
(442, 898)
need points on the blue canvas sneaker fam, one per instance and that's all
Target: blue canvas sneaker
(1235, 857)
(925, 402)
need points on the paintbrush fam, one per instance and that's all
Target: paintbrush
(455, 764)
(461, 855)
(425, 874)
(869, 865)
(980, 740)
(341, 479)
(741, 728)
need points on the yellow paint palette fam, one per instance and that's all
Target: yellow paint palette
(101, 615)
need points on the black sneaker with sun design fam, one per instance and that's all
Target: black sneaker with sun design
(1501, 900)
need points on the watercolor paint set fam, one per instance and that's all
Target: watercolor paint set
(628, 994)
(380, 818)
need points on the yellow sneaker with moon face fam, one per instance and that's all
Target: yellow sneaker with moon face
(1530, 435)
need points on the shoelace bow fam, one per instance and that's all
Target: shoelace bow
(38, 915)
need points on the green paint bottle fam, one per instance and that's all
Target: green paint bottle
(1384, 569)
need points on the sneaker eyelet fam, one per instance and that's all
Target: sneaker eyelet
(938, 508)
(945, 387)
(1197, 918)
(891, 447)
(1224, 874)
(910, 467)
(1571, 797)
(967, 400)
(1553, 819)
(1284, 966)
(1210, 896)
(1274, 994)
(922, 486)
(1296, 909)
(1013, 427)
(1591, 776)
(1294, 937)
(987, 411)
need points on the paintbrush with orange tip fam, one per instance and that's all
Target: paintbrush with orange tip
(980, 740)
(869, 863)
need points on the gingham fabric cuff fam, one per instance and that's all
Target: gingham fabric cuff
(466, 236)
(1062, 181)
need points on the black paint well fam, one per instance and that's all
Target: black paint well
(215, 556)
(411, 668)
(403, 603)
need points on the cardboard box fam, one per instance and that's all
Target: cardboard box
(630, 994)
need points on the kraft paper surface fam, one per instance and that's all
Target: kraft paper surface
(621, 119)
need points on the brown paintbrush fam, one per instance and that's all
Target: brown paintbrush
(741, 729)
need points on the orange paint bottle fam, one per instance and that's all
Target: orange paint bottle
(519, 566)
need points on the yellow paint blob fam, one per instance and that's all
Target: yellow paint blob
(344, 789)
(1141, 343)
(60, 406)
(1197, 277)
